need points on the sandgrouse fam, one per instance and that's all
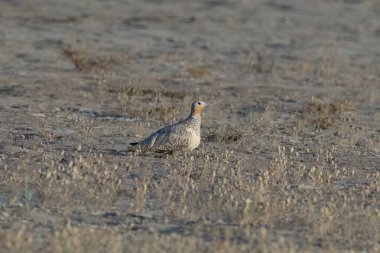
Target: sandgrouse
(184, 135)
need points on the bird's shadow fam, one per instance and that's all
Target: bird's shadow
(115, 152)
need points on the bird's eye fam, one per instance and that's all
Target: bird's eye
(199, 103)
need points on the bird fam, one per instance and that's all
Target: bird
(184, 135)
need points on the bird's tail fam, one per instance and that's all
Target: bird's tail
(133, 146)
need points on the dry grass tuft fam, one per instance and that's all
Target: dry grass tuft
(88, 239)
(323, 114)
(77, 179)
(140, 92)
(159, 112)
(162, 109)
(85, 63)
(327, 108)
(17, 240)
(258, 63)
(224, 136)
(204, 202)
(199, 72)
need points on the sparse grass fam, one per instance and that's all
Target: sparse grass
(162, 111)
(68, 238)
(305, 199)
(275, 172)
(80, 179)
(88, 239)
(17, 240)
(26, 196)
(246, 205)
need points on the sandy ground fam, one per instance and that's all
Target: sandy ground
(293, 89)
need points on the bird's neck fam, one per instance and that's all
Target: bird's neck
(195, 116)
(196, 111)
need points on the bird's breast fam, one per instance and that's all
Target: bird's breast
(194, 138)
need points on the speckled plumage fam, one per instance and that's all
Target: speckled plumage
(184, 135)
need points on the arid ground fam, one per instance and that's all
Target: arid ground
(290, 152)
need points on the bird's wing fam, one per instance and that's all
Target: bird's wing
(171, 138)
(148, 142)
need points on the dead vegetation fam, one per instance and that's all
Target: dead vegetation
(304, 199)
(289, 155)
(129, 94)
(244, 204)
(329, 108)
(137, 91)
(199, 72)
(83, 62)
(79, 179)
(229, 135)
(323, 114)
(161, 111)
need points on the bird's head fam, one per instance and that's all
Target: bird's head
(196, 108)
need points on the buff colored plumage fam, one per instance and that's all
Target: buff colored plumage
(184, 135)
